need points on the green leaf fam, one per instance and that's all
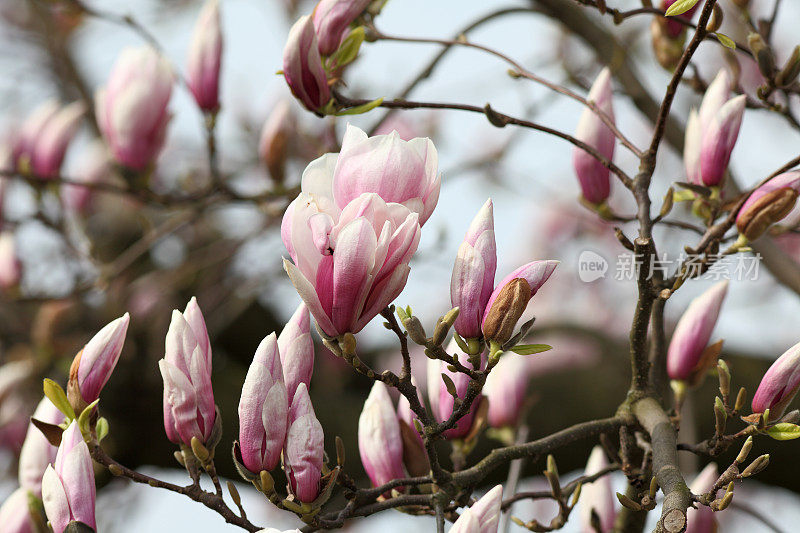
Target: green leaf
(83, 419)
(364, 108)
(349, 48)
(725, 41)
(461, 343)
(56, 394)
(101, 429)
(530, 349)
(680, 7)
(784, 431)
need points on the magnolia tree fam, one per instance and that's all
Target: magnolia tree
(350, 230)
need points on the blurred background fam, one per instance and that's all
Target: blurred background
(79, 268)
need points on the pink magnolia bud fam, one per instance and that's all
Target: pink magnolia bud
(504, 308)
(29, 132)
(506, 388)
(94, 169)
(403, 172)
(768, 204)
(779, 385)
(297, 351)
(46, 136)
(15, 514)
(10, 266)
(711, 133)
(304, 448)
(205, 53)
(37, 452)
(332, 19)
(693, 332)
(132, 108)
(379, 440)
(466, 523)
(189, 409)
(472, 281)
(263, 409)
(701, 519)
(302, 66)
(487, 510)
(444, 402)
(407, 416)
(68, 490)
(598, 496)
(675, 28)
(273, 145)
(93, 365)
(592, 175)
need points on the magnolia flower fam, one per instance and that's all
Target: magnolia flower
(205, 53)
(296, 350)
(443, 404)
(15, 514)
(701, 519)
(506, 388)
(94, 168)
(510, 299)
(472, 281)
(332, 19)
(304, 450)
(711, 133)
(45, 136)
(37, 452)
(593, 176)
(132, 108)
(597, 497)
(768, 204)
(273, 144)
(779, 385)
(693, 332)
(263, 409)
(10, 266)
(302, 66)
(68, 490)
(379, 440)
(354, 227)
(189, 409)
(483, 516)
(94, 364)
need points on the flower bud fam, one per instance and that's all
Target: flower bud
(487, 510)
(763, 54)
(332, 19)
(668, 49)
(15, 513)
(205, 53)
(675, 28)
(37, 452)
(189, 409)
(790, 70)
(506, 388)
(597, 497)
(297, 351)
(94, 168)
(691, 336)
(510, 298)
(45, 136)
(466, 523)
(10, 265)
(68, 490)
(768, 204)
(132, 108)
(304, 450)
(701, 519)
(94, 364)
(263, 409)
(273, 145)
(472, 281)
(779, 385)
(380, 443)
(302, 66)
(593, 176)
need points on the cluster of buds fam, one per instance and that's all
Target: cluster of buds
(42, 142)
(355, 225)
(487, 311)
(711, 133)
(132, 108)
(483, 516)
(669, 35)
(593, 175)
(689, 357)
(768, 204)
(205, 57)
(318, 47)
